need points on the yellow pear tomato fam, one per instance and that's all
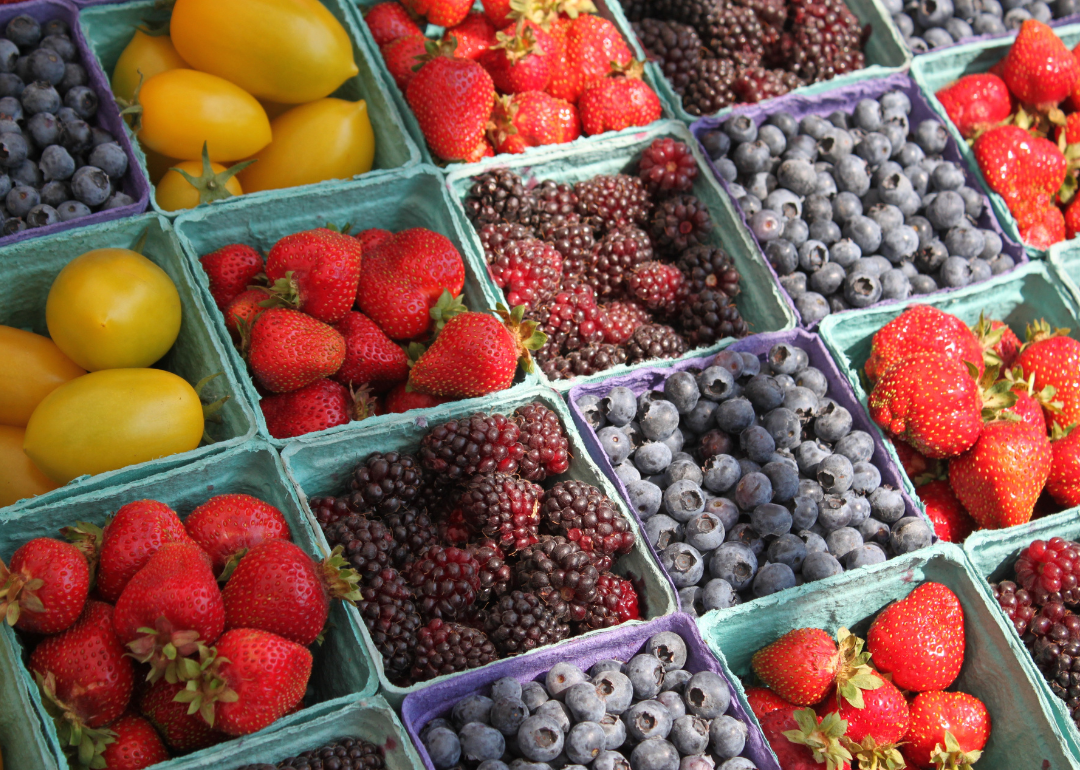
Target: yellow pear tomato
(111, 419)
(174, 192)
(113, 309)
(19, 477)
(184, 109)
(33, 367)
(326, 139)
(146, 54)
(289, 51)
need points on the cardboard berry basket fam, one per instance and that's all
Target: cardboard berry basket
(845, 99)
(108, 27)
(342, 666)
(760, 300)
(324, 465)
(759, 344)
(996, 668)
(22, 739)
(414, 197)
(32, 265)
(1066, 258)
(620, 643)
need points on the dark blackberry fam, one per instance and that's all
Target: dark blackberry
(413, 531)
(635, 10)
(709, 267)
(575, 242)
(826, 40)
(521, 622)
(329, 510)
(499, 196)
(619, 252)
(385, 483)
(342, 754)
(547, 450)
(679, 223)
(709, 317)
(582, 514)
(734, 32)
(497, 236)
(610, 201)
(554, 203)
(675, 47)
(571, 320)
(478, 444)
(504, 508)
(621, 319)
(711, 87)
(446, 648)
(654, 341)
(386, 605)
(616, 602)
(588, 360)
(368, 543)
(528, 271)
(495, 573)
(444, 581)
(756, 84)
(667, 166)
(1016, 603)
(560, 573)
(659, 286)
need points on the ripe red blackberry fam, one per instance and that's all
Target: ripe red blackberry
(446, 648)
(667, 166)
(499, 196)
(495, 573)
(575, 242)
(580, 363)
(481, 443)
(618, 253)
(504, 508)
(521, 622)
(709, 267)
(709, 317)
(329, 510)
(561, 574)
(368, 543)
(610, 201)
(582, 514)
(1016, 602)
(452, 529)
(413, 531)
(1050, 570)
(711, 87)
(826, 40)
(547, 450)
(654, 341)
(675, 47)
(621, 319)
(497, 236)
(343, 754)
(554, 202)
(679, 223)
(756, 84)
(616, 602)
(386, 605)
(528, 271)
(659, 286)
(385, 483)
(571, 320)
(444, 582)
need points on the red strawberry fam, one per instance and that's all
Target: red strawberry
(473, 36)
(975, 103)
(922, 328)
(920, 639)
(520, 58)
(230, 269)
(1054, 359)
(371, 238)
(241, 313)
(476, 354)
(565, 81)
(914, 464)
(1031, 406)
(800, 666)
(45, 589)
(316, 271)
(1072, 214)
(998, 340)
(1064, 482)
(443, 13)
(136, 745)
(948, 729)
(878, 725)
(497, 12)
(951, 522)
(371, 357)
(401, 56)
(401, 400)
(128, 541)
(479, 152)
(290, 349)
(615, 103)
(322, 404)
(801, 742)
(1040, 226)
(764, 701)
(183, 732)
(228, 526)
(592, 45)
(532, 119)
(452, 100)
(389, 22)
(1022, 168)
(1039, 69)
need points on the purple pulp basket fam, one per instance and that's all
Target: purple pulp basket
(620, 643)
(108, 117)
(845, 99)
(759, 344)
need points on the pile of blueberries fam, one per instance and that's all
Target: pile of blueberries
(929, 24)
(55, 165)
(648, 713)
(749, 479)
(854, 209)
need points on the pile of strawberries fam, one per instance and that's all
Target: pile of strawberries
(522, 73)
(1026, 144)
(140, 654)
(318, 362)
(981, 422)
(838, 706)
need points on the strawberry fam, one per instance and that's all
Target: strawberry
(278, 588)
(1040, 226)
(130, 538)
(318, 406)
(228, 526)
(182, 732)
(476, 354)
(520, 58)
(801, 742)
(497, 12)
(532, 119)
(615, 103)
(975, 103)
(952, 523)
(45, 589)
(479, 152)
(1054, 359)
(948, 729)
(371, 357)
(290, 349)
(399, 399)
(593, 45)
(452, 100)
(920, 639)
(230, 269)
(136, 745)
(401, 58)
(1031, 406)
(800, 666)
(1022, 168)
(389, 22)
(1064, 482)
(914, 464)
(241, 313)
(999, 343)
(1039, 69)
(564, 82)
(371, 238)
(1072, 214)
(883, 716)
(763, 701)
(316, 271)
(922, 328)
(444, 13)
(473, 36)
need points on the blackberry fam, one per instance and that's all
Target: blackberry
(734, 32)
(386, 605)
(385, 483)
(329, 510)
(571, 320)
(619, 252)
(413, 531)
(503, 508)
(495, 237)
(709, 267)
(709, 317)
(635, 10)
(547, 450)
(520, 622)
(342, 754)
(654, 341)
(621, 319)
(1016, 603)
(756, 84)
(561, 574)
(711, 87)
(616, 602)
(575, 242)
(499, 196)
(667, 166)
(445, 648)
(495, 573)
(554, 203)
(444, 581)
(826, 40)
(658, 286)
(588, 360)
(582, 514)
(528, 271)
(478, 444)
(607, 201)
(675, 47)
(368, 543)
(679, 223)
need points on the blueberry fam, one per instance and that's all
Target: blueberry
(90, 185)
(859, 505)
(786, 122)
(715, 442)
(55, 193)
(805, 512)
(607, 760)
(662, 530)
(757, 444)
(773, 577)
(895, 284)
(646, 674)
(671, 699)
(614, 731)
(480, 742)
(475, 708)
(507, 714)
(683, 563)
(832, 423)
(557, 711)
(540, 738)
(899, 244)
(828, 278)
(787, 549)
(734, 415)
(774, 137)
(690, 734)
(117, 200)
(23, 30)
(443, 747)
(659, 419)
(753, 489)
(812, 255)
(652, 458)
(705, 532)
(815, 543)
(718, 594)
(1002, 263)
(654, 754)
(496, 764)
(738, 763)
(110, 158)
(771, 519)
(721, 472)
(909, 534)
(39, 96)
(748, 536)
(784, 478)
(683, 500)
(46, 65)
(766, 225)
(21, 199)
(812, 306)
(584, 702)
(866, 477)
(735, 563)
(834, 145)
(619, 406)
(727, 736)
(784, 202)
(797, 175)
(819, 565)
(13, 149)
(9, 53)
(716, 383)
(507, 687)
(865, 232)
(864, 555)
(1016, 17)
(615, 443)
(41, 216)
(682, 390)
(851, 175)
(746, 465)
(862, 290)
(826, 231)
(843, 540)
(802, 401)
(740, 128)
(988, 24)
(716, 144)
(809, 455)
(561, 677)
(690, 601)
(749, 204)
(886, 504)
(585, 741)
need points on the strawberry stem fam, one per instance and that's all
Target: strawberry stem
(853, 675)
(823, 739)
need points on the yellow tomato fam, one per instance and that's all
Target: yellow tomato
(145, 54)
(289, 51)
(174, 192)
(182, 109)
(111, 419)
(19, 477)
(113, 309)
(33, 368)
(327, 139)
(158, 165)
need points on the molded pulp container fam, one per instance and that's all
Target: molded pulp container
(845, 99)
(30, 268)
(1066, 258)
(324, 466)
(620, 643)
(996, 668)
(22, 739)
(759, 344)
(109, 28)
(760, 300)
(412, 198)
(108, 117)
